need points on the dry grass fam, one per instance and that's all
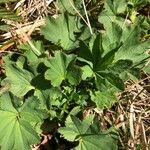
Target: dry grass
(132, 115)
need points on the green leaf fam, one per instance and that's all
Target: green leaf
(75, 127)
(74, 75)
(100, 142)
(101, 83)
(101, 62)
(120, 66)
(67, 6)
(112, 78)
(93, 51)
(31, 110)
(138, 3)
(132, 48)
(16, 133)
(87, 72)
(146, 69)
(96, 49)
(111, 37)
(19, 79)
(64, 26)
(84, 132)
(104, 99)
(106, 60)
(47, 98)
(32, 50)
(107, 80)
(60, 70)
(84, 53)
(112, 11)
(117, 31)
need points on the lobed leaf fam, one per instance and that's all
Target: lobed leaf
(60, 70)
(16, 130)
(19, 79)
(61, 31)
(88, 135)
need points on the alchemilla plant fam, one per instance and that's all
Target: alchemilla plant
(71, 69)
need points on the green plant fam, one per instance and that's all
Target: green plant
(80, 70)
(85, 131)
